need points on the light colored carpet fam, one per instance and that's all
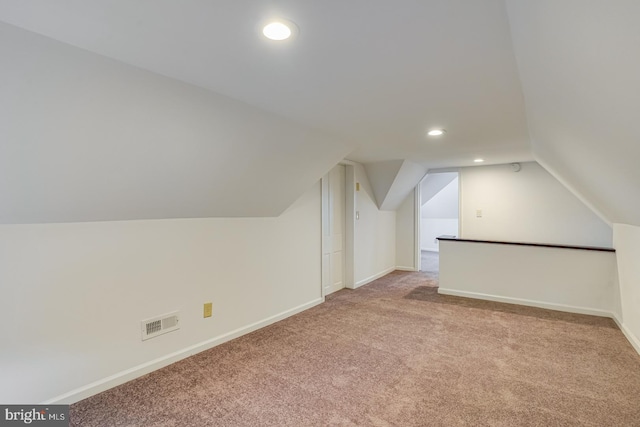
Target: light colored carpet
(430, 263)
(394, 353)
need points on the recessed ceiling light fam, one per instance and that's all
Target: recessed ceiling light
(278, 30)
(436, 132)
(478, 160)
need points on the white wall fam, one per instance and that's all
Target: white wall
(381, 177)
(580, 82)
(86, 138)
(431, 228)
(405, 233)
(527, 206)
(439, 216)
(73, 294)
(408, 177)
(563, 279)
(433, 183)
(627, 244)
(444, 204)
(375, 234)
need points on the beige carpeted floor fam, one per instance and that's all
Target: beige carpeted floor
(394, 353)
(430, 263)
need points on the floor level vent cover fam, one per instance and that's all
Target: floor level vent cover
(160, 325)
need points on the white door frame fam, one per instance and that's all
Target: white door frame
(350, 217)
(418, 212)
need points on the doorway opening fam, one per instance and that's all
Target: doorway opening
(439, 216)
(336, 232)
(338, 227)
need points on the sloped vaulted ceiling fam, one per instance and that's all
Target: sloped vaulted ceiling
(168, 109)
(579, 64)
(86, 137)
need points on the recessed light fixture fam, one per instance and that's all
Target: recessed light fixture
(436, 132)
(478, 160)
(279, 30)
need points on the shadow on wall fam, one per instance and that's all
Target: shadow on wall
(439, 211)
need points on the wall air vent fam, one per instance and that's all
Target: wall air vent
(160, 325)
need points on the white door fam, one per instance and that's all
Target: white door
(336, 227)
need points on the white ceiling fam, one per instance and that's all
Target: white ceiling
(86, 138)
(511, 81)
(377, 74)
(433, 183)
(580, 70)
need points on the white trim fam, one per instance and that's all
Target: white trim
(418, 213)
(349, 218)
(349, 224)
(145, 368)
(633, 340)
(324, 208)
(374, 277)
(527, 302)
(417, 199)
(443, 170)
(402, 268)
(333, 288)
(617, 320)
(459, 206)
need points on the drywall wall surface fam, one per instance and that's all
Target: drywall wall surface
(86, 138)
(375, 234)
(439, 214)
(626, 239)
(562, 279)
(579, 72)
(444, 204)
(381, 176)
(527, 206)
(433, 183)
(432, 228)
(405, 233)
(392, 181)
(73, 294)
(409, 175)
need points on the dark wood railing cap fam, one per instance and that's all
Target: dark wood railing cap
(543, 245)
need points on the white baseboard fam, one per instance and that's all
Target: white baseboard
(331, 289)
(527, 302)
(145, 368)
(374, 277)
(401, 268)
(617, 320)
(633, 340)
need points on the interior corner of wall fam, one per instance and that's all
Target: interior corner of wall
(616, 303)
(567, 183)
